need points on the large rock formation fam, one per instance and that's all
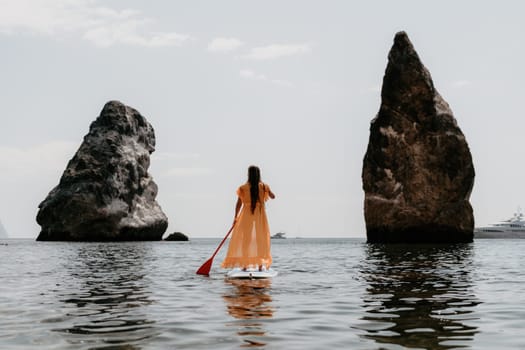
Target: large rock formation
(106, 193)
(417, 170)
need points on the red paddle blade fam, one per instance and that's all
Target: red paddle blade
(205, 268)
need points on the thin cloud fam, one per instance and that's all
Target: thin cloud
(101, 26)
(461, 83)
(173, 156)
(221, 45)
(271, 52)
(248, 74)
(251, 75)
(375, 88)
(186, 172)
(126, 33)
(44, 158)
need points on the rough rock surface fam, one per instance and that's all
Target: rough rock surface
(106, 193)
(177, 236)
(417, 170)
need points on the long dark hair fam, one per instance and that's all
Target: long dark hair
(254, 177)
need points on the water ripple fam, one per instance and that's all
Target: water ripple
(422, 294)
(330, 293)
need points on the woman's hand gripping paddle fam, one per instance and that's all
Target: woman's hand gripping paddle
(206, 267)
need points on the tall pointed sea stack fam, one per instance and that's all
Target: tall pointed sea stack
(106, 193)
(417, 170)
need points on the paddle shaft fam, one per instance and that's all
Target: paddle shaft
(206, 267)
(222, 242)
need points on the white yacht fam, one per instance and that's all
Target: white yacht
(511, 228)
(278, 235)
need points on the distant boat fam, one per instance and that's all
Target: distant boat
(3, 232)
(279, 235)
(511, 228)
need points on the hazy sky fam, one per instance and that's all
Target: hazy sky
(290, 86)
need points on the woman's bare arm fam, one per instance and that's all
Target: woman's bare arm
(270, 193)
(238, 206)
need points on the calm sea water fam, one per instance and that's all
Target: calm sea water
(329, 294)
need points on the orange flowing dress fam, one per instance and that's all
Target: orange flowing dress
(250, 241)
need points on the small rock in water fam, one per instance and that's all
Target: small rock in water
(177, 236)
(106, 192)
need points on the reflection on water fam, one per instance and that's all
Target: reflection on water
(419, 296)
(249, 301)
(105, 296)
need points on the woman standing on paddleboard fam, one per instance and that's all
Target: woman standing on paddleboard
(250, 242)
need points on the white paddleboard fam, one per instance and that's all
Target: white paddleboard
(251, 274)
